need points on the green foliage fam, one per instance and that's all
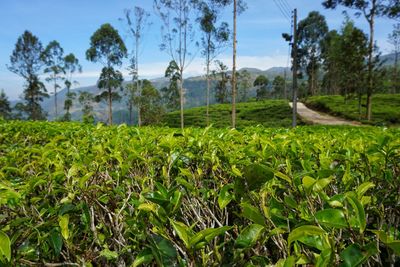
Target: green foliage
(261, 82)
(386, 108)
(270, 113)
(71, 66)
(111, 196)
(86, 100)
(108, 48)
(27, 61)
(222, 77)
(170, 94)
(311, 32)
(5, 109)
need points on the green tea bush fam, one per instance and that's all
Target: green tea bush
(81, 195)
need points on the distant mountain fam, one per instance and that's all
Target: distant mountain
(388, 60)
(195, 95)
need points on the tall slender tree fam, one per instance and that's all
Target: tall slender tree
(5, 108)
(26, 61)
(370, 9)
(394, 40)
(311, 32)
(86, 100)
(244, 85)
(221, 89)
(215, 38)
(71, 67)
(238, 6)
(54, 60)
(170, 93)
(108, 48)
(137, 23)
(178, 40)
(261, 82)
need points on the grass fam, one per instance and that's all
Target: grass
(385, 108)
(268, 113)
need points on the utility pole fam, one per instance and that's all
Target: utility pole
(294, 102)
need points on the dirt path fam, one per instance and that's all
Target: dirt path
(314, 117)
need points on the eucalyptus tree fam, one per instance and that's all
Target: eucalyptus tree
(150, 104)
(330, 53)
(108, 48)
(244, 84)
(238, 7)
(354, 51)
(86, 100)
(26, 61)
(278, 84)
(170, 93)
(5, 108)
(394, 40)
(370, 9)
(311, 32)
(54, 60)
(137, 21)
(214, 40)
(221, 88)
(71, 66)
(261, 82)
(178, 36)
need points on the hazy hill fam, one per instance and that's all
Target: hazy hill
(195, 95)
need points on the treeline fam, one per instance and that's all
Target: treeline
(344, 61)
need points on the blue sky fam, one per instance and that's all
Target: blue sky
(72, 22)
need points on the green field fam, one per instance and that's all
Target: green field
(269, 113)
(385, 108)
(81, 195)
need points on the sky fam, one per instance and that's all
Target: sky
(72, 22)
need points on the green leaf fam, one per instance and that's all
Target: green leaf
(332, 218)
(256, 175)
(5, 246)
(63, 222)
(303, 231)
(392, 244)
(325, 258)
(249, 236)
(56, 241)
(144, 257)
(252, 213)
(320, 184)
(283, 177)
(208, 235)
(308, 182)
(355, 255)
(359, 211)
(183, 232)
(225, 197)
(364, 187)
(108, 254)
(149, 207)
(84, 179)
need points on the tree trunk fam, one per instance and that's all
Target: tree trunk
(130, 107)
(395, 78)
(370, 63)
(138, 87)
(110, 106)
(208, 92)
(234, 66)
(55, 100)
(181, 96)
(359, 105)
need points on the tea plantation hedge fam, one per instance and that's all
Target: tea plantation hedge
(81, 195)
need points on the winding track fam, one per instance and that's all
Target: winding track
(314, 117)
